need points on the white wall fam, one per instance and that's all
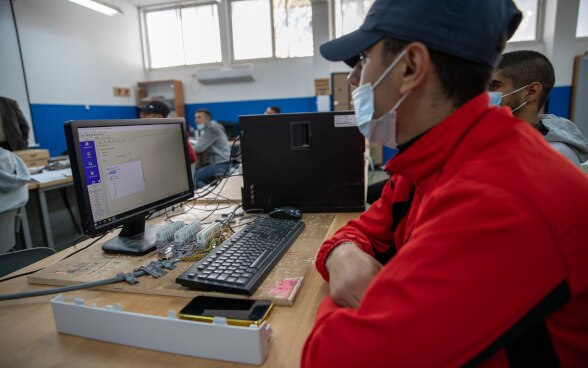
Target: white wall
(12, 80)
(286, 78)
(74, 55)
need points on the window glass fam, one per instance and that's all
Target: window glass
(201, 34)
(527, 30)
(293, 28)
(251, 29)
(349, 15)
(582, 25)
(164, 35)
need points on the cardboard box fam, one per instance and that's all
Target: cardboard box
(34, 157)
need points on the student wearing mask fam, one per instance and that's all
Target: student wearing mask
(213, 146)
(523, 81)
(471, 256)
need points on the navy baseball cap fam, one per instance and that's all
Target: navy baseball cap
(156, 107)
(474, 30)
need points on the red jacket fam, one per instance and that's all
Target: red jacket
(495, 239)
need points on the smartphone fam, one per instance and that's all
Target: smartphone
(240, 312)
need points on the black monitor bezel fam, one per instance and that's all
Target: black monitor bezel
(88, 225)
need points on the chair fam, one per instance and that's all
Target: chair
(12, 261)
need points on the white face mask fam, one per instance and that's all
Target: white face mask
(383, 129)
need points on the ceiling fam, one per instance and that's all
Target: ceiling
(143, 3)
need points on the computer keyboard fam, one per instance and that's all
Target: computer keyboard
(243, 261)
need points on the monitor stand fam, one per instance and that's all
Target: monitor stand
(134, 239)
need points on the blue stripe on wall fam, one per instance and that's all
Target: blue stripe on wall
(560, 101)
(230, 111)
(48, 121)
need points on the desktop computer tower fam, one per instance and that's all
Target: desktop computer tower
(312, 161)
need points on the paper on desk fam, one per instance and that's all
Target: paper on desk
(49, 176)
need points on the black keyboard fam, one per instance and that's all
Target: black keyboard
(243, 261)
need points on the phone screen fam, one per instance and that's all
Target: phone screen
(254, 311)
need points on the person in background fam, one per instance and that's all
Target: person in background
(523, 81)
(273, 110)
(157, 110)
(14, 177)
(14, 129)
(213, 146)
(472, 256)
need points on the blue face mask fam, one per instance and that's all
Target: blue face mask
(496, 97)
(383, 129)
(200, 126)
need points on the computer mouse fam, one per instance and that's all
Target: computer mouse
(288, 213)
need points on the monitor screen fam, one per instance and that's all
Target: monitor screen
(312, 161)
(126, 169)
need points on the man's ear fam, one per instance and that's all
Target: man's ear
(417, 61)
(533, 92)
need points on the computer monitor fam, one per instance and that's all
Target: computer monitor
(124, 170)
(312, 161)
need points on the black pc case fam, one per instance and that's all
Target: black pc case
(312, 161)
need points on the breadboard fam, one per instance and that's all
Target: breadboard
(281, 286)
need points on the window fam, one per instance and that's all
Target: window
(252, 29)
(291, 29)
(349, 15)
(582, 27)
(183, 36)
(527, 30)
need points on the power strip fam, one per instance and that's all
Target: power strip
(168, 231)
(206, 234)
(187, 234)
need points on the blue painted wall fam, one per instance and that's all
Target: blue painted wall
(560, 101)
(230, 111)
(48, 121)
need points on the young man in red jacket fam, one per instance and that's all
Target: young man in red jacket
(472, 256)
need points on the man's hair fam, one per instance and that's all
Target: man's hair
(460, 79)
(525, 67)
(276, 109)
(205, 111)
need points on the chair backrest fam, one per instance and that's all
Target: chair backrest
(12, 261)
(8, 230)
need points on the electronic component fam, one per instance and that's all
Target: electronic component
(207, 234)
(187, 234)
(168, 231)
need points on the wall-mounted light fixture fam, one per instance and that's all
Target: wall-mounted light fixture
(99, 6)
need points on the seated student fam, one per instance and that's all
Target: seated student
(471, 257)
(14, 176)
(213, 145)
(157, 110)
(273, 110)
(523, 81)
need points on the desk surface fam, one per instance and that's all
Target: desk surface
(29, 338)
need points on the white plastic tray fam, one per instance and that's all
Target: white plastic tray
(215, 340)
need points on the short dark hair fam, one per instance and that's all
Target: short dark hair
(525, 67)
(205, 111)
(276, 109)
(460, 79)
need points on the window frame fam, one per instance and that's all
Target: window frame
(538, 29)
(225, 28)
(176, 6)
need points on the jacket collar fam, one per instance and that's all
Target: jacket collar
(432, 150)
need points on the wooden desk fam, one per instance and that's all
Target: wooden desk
(29, 337)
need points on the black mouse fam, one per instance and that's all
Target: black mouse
(288, 213)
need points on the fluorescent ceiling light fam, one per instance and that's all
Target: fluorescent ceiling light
(99, 6)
